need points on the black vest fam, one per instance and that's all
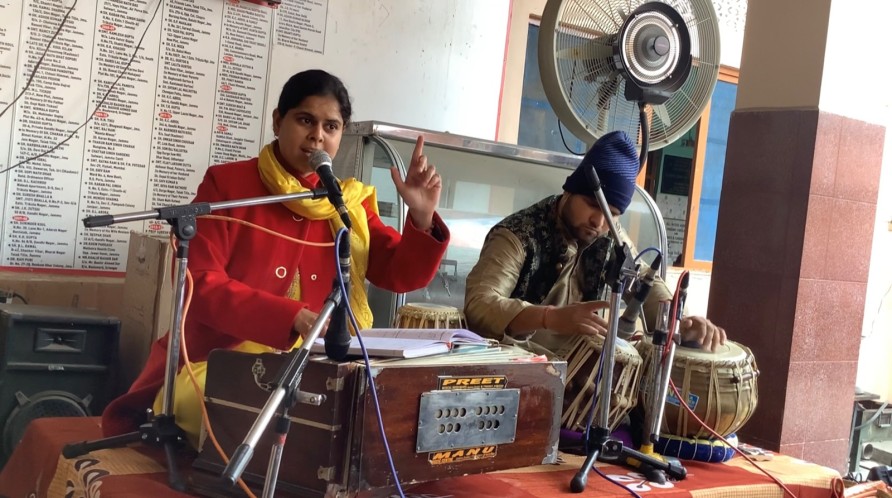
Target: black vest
(545, 248)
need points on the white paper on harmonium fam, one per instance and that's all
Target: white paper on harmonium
(413, 343)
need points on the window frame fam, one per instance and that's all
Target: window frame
(727, 74)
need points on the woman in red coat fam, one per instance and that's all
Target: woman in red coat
(255, 291)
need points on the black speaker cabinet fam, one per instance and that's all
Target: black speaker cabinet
(54, 362)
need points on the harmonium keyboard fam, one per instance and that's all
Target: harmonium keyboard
(444, 416)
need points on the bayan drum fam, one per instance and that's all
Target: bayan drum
(429, 316)
(719, 387)
(581, 388)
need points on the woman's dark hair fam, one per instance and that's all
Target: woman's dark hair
(318, 83)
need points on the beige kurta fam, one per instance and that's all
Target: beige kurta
(489, 309)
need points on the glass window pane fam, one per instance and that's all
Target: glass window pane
(723, 100)
(673, 166)
(538, 125)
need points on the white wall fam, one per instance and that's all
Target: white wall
(732, 19)
(874, 367)
(431, 64)
(855, 85)
(202, 92)
(856, 77)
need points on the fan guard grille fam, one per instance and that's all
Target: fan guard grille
(584, 86)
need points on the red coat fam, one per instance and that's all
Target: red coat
(242, 276)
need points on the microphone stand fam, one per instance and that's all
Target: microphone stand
(660, 369)
(286, 394)
(662, 374)
(282, 397)
(161, 429)
(621, 272)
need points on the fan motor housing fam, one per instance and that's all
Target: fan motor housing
(653, 49)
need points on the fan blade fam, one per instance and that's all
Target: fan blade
(592, 49)
(605, 95)
(662, 113)
(607, 90)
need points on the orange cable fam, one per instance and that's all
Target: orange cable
(267, 230)
(185, 353)
(186, 363)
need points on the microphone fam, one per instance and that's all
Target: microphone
(626, 326)
(679, 308)
(337, 339)
(321, 162)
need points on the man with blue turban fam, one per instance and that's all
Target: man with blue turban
(539, 279)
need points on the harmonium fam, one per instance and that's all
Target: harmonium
(443, 416)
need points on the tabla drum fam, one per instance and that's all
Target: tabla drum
(429, 316)
(719, 387)
(581, 387)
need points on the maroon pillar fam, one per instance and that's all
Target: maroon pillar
(790, 269)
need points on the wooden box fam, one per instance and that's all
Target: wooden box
(443, 418)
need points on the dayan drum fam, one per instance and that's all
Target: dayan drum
(581, 388)
(429, 316)
(719, 387)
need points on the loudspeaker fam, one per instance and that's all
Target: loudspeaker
(54, 362)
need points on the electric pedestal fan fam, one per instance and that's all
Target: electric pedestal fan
(606, 64)
(649, 69)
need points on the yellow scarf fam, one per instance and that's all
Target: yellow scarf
(279, 181)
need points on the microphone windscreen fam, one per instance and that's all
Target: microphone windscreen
(337, 338)
(319, 158)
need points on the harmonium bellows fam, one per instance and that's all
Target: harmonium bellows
(444, 416)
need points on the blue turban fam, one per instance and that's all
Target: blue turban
(616, 161)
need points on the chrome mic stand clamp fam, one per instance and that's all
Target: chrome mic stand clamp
(620, 273)
(161, 429)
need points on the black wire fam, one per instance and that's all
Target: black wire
(873, 322)
(855, 477)
(561, 131)
(98, 106)
(40, 60)
(17, 295)
(645, 135)
(621, 485)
